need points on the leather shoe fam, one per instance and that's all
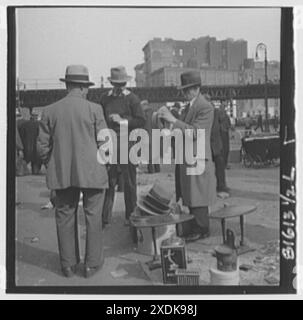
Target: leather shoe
(90, 271)
(68, 272)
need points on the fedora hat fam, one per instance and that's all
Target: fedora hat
(118, 75)
(190, 79)
(145, 207)
(160, 193)
(77, 74)
(156, 201)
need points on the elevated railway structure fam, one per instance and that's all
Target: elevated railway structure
(40, 98)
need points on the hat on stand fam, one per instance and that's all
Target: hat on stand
(156, 201)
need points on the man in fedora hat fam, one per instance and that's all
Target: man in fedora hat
(121, 107)
(29, 130)
(197, 191)
(68, 146)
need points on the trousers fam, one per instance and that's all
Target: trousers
(66, 204)
(199, 225)
(225, 141)
(220, 172)
(129, 178)
(153, 168)
(201, 221)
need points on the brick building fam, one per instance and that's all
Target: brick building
(204, 52)
(170, 76)
(221, 62)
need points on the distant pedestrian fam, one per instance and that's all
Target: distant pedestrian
(259, 122)
(68, 146)
(276, 122)
(225, 124)
(247, 125)
(217, 155)
(29, 131)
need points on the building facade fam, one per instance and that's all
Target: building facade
(170, 76)
(221, 62)
(204, 52)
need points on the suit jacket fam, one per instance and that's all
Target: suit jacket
(68, 143)
(197, 190)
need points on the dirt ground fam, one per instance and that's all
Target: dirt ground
(37, 260)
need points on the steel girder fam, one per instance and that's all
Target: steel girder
(39, 98)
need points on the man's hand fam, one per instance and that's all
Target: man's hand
(115, 117)
(165, 114)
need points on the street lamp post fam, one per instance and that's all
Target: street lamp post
(262, 46)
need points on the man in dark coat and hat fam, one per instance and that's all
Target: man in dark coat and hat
(148, 113)
(218, 157)
(225, 125)
(197, 191)
(68, 144)
(29, 131)
(121, 108)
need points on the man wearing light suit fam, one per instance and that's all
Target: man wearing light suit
(197, 191)
(68, 145)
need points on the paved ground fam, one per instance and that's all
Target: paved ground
(36, 242)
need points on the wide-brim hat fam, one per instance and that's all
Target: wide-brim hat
(119, 75)
(160, 193)
(190, 79)
(155, 204)
(146, 208)
(77, 74)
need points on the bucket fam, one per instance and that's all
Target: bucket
(226, 258)
(221, 278)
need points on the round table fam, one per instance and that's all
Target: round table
(232, 211)
(157, 221)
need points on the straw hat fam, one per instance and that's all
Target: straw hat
(156, 201)
(118, 75)
(77, 74)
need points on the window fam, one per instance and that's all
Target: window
(195, 51)
(181, 64)
(180, 52)
(174, 52)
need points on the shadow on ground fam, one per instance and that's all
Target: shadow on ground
(38, 257)
(260, 196)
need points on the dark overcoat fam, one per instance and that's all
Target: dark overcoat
(29, 131)
(215, 138)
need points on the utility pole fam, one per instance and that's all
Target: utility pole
(262, 46)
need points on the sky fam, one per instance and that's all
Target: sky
(49, 39)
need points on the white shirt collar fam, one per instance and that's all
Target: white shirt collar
(125, 92)
(191, 102)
